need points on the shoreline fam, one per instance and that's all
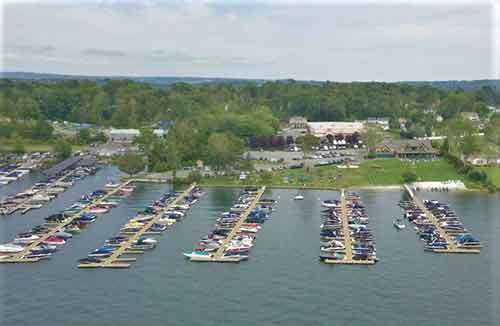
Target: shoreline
(357, 188)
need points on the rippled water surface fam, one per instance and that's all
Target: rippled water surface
(282, 284)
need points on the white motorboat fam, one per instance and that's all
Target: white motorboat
(26, 239)
(330, 203)
(10, 248)
(399, 223)
(298, 196)
(40, 198)
(198, 254)
(146, 241)
(112, 185)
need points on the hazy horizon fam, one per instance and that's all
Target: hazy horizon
(325, 40)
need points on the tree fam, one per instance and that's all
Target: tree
(493, 129)
(224, 149)
(371, 138)
(308, 142)
(84, 136)
(146, 142)
(62, 149)
(42, 130)
(409, 176)
(100, 137)
(460, 133)
(471, 144)
(130, 163)
(173, 157)
(194, 176)
(18, 145)
(246, 165)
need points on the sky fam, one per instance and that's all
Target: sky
(306, 40)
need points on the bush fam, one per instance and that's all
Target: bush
(194, 176)
(409, 176)
(179, 182)
(62, 149)
(18, 146)
(491, 186)
(477, 175)
(131, 163)
(161, 167)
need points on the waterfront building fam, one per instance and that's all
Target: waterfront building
(414, 149)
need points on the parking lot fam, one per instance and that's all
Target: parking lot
(270, 160)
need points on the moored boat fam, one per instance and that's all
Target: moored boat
(53, 240)
(10, 248)
(399, 223)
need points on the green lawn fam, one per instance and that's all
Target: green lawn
(370, 173)
(38, 147)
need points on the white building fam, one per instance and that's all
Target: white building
(128, 135)
(323, 129)
(472, 116)
(494, 109)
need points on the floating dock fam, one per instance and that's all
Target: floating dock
(25, 206)
(115, 260)
(219, 257)
(452, 243)
(348, 257)
(21, 256)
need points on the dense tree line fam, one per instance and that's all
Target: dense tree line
(123, 103)
(211, 119)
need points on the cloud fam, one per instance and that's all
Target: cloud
(175, 57)
(276, 39)
(29, 48)
(103, 53)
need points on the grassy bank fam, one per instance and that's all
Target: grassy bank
(387, 172)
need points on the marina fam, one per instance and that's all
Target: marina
(21, 166)
(232, 238)
(281, 264)
(152, 221)
(345, 236)
(438, 226)
(43, 192)
(43, 240)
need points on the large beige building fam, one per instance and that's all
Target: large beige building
(324, 129)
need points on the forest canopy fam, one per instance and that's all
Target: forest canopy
(247, 109)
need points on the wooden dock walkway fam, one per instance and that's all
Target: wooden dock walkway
(21, 256)
(452, 243)
(115, 260)
(44, 192)
(218, 257)
(344, 216)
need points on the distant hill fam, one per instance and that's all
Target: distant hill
(166, 81)
(160, 81)
(455, 84)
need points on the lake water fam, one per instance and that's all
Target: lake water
(282, 283)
